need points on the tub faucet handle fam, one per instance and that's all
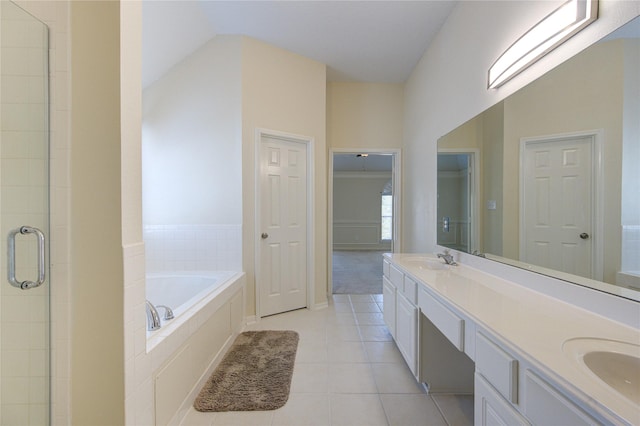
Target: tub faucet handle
(168, 313)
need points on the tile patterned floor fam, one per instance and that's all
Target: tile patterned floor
(348, 371)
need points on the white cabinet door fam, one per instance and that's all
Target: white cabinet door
(389, 305)
(491, 409)
(407, 331)
(545, 405)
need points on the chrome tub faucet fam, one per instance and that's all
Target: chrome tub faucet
(153, 319)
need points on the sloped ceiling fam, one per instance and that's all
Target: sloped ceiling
(370, 41)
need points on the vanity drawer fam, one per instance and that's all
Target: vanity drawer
(498, 367)
(396, 277)
(386, 265)
(410, 290)
(449, 324)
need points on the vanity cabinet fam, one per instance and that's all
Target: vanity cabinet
(448, 345)
(407, 331)
(544, 404)
(509, 391)
(400, 313)
(389, 305)
(489, 408)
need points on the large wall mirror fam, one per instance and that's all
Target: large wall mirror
(549, 178)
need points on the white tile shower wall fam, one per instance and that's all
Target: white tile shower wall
(630, 248)
(193, 247)
(56, 15)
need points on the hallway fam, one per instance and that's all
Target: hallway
(357, 272)
(348, 371)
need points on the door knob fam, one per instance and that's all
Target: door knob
(264, 235)
(584, 236)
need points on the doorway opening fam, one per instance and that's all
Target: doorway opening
(458, 212)
(364, 218)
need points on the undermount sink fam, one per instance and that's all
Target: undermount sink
(424, 262)
(615, 363)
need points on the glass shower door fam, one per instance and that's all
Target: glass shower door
(24, 219)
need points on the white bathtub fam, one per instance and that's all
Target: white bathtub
(181, 355)
(186, 293)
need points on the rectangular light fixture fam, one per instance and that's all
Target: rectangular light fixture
(545, 36)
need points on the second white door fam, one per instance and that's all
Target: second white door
(283, 225)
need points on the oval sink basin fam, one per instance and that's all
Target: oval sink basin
(615, 363)
(426, 263)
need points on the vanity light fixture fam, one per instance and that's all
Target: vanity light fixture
(542, 38)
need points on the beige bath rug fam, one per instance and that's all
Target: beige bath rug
(254, 375)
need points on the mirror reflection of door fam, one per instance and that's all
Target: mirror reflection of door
(455, 200)
(558, 205)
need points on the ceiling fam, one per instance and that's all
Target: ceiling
(369, 41)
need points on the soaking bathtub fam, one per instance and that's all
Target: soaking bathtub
(186, 293)
(181, 355)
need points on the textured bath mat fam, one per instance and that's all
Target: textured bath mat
(254, 375)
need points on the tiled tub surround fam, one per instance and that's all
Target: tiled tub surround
(185, 350)
(534, 326)
(193, 248)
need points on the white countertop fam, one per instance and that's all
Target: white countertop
(533, 323)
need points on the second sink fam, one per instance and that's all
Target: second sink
(615, 363)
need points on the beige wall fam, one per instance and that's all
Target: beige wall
(284, 92)
(97, 380)
(364, 115)
(357, 204)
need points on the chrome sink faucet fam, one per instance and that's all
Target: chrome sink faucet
(447, 257)
(153, 319)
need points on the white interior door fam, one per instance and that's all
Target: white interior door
(558, 205)
(283, 225)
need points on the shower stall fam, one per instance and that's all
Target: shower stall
(24, 209)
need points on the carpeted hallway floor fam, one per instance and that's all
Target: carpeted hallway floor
(357, 272)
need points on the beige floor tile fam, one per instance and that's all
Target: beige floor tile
(303, 410)
(395, 378)
(313, 334)
(351, 378)
(312, 351)
(411, 410)
(369, 318)
(196, 418)
(310, 378)
(375, 333)
(342, 318)
(365, 307)
(383, 352)
(362, 298)
(341, 351)
(344, 333)
(243, 418)
(357, 410)
(343, 307)
(457, 409)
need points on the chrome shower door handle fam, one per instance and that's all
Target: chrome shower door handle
(11, 258)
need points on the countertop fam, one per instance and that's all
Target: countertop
(533, 323)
